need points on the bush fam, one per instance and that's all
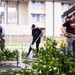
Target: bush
(51, 61)
(7, 55)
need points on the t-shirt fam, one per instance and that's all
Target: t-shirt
(36, 32)
(70, 26)
(2, 31)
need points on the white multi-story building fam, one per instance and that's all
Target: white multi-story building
(19, 15)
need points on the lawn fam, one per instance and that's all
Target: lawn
(18, 45)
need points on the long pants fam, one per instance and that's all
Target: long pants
(37, 46)
(71, 45)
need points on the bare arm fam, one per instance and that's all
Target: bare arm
(63, 29)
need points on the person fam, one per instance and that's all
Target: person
(36, 38)
(2, 40)
(68, 27)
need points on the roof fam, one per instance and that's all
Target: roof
(68, 12)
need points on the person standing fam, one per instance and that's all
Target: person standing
(68, 27)
(36, 38)
(2, 40)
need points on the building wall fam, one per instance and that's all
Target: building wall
(49, 18)
(23, 13)
(39, 11)
(16, 29)
(52, 21)
(17, 33)
(57, 19)
(20, 38)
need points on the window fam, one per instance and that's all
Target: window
(42, 18)
(37, 18)
(2, 13)
(12, 15)
(62, 20)
(66, 6)
(62, 6)
(70, 5)
(33, 18)
(42, 4)
(33, 4)
(37, 4)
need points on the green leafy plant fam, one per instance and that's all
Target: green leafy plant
(53, 61)
(7, 55)
(24, 54)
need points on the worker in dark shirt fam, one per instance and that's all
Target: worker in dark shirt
(36, 38)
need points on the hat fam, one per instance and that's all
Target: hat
(33, 26)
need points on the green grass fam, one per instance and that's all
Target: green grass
(16, 43)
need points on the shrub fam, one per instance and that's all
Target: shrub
(7, 55)
(53, 61)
